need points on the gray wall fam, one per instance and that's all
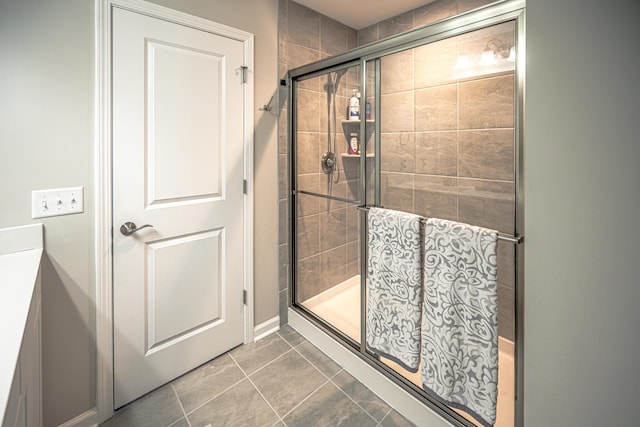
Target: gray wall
(582, 195)
(46, 141)
(46, 86)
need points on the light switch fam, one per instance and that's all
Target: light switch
(59, 201)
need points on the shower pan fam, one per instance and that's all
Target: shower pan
(443, 140)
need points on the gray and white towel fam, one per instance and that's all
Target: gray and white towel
(460, 317)
(394, 297)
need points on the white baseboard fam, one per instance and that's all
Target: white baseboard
(266, 328)
(86, 419)
(403, 402)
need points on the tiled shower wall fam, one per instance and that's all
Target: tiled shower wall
(443, 154)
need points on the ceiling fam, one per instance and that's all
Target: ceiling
(362, 13)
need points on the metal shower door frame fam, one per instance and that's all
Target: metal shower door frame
(501, 12)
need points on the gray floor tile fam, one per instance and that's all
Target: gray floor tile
(394, 419)
(368, 400)
(241, 405)
(290, 335)
(318, 359)
(182, 422)
(287, 381)
(253, 356)
(158, 408)
(207, 381)
(329, 406)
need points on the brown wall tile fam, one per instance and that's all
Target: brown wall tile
(487, 103)
(487, 204)
(308, 153)
(303, 26)
(436, 108)
(333, 267)
(308, 234)
(300, 55)
(397, 152)
(306, 204)
(433, 12)
(368, 35)
(309, 104)
(436, 153)
(333, 227)
(506, 264)
(396, 72)
(506, 314)
(467, 5)
(435, 64)
(283, 184)
(487, 154)
(396, 25)
(283, 261)
(283, 224)
(396, 191)
(435, 197)
(333, 36)
(308, 278)
(397, 112)
(353, 224)
(353, 258)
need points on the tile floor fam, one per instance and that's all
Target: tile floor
(281, 380)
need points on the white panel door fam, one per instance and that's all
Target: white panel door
(178, 166)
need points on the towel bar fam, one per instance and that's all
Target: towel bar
(516, 240)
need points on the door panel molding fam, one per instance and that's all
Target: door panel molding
(102, 200)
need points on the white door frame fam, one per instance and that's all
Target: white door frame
(102, 201)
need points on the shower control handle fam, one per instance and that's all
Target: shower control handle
(128, 228)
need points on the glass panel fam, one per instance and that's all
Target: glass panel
(447, 150)
(325, 164)
(327, 225)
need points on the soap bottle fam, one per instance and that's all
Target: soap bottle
(354, 106)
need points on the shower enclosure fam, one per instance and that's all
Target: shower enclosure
(439, 135)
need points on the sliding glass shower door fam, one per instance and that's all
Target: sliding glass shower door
(328, 188)
(437, 136)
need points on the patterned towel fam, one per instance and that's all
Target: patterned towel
(460, 317)
(394, 286)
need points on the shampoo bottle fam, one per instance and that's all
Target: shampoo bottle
(354, 106)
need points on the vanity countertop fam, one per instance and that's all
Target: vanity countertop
(20, 254)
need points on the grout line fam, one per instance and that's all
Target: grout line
(213, 398)
(307, 398)
(266, 364)
(354, 401)
(385, 416)
(318, 369)
(266, 401)
(175, 392)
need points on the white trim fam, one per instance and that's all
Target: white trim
(86, 419)
(403, 402)
(266, 328)
(103, 173)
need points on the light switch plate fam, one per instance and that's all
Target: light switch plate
(58, 201)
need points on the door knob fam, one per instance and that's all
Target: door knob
(128, 228)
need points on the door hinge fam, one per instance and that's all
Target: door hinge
(244, 297)
(244, 186)
(243, 71)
